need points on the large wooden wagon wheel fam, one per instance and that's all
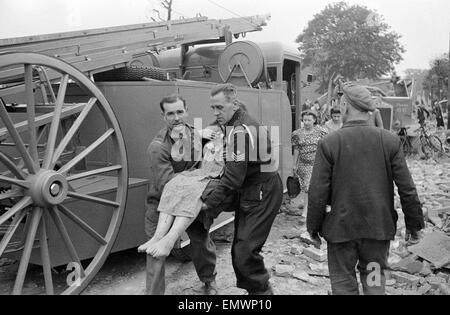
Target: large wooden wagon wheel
(38, 183)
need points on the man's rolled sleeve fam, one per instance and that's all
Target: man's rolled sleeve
(319, 192)
(409, 199)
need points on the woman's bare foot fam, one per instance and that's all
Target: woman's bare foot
(143, 248)
(163, 248)
(151, 249)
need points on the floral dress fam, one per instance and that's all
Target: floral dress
(306, 143)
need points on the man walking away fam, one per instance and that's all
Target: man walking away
(354, 172)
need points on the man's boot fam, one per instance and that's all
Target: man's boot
(211, 288)
(268, 291)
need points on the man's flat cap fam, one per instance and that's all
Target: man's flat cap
(359, 97)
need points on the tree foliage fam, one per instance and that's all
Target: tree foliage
(351, 41)
(436, 81)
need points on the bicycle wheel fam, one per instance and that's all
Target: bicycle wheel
(425, 147)
(436, 144)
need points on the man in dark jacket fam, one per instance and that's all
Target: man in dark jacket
(354, 172)
(164, 165)
(250, 171)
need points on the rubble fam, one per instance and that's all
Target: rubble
(315, 254)
(297, 250)
(417, 269)
(434, 247)
(403, 277)
(320, 270)
(409, 265)
(304, 276)
(283, 270)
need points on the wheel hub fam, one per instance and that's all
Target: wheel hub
(48, 188)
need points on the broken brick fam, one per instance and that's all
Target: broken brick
(435, 281)
(284, 270)
(315, 254)
(409, 265)
(304, 276)
(403, 277)
(424, 289)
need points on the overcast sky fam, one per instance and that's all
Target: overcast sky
(423, 24)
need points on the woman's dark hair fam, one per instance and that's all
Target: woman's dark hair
(309, 113)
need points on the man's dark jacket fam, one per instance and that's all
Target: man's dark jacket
(354, 172)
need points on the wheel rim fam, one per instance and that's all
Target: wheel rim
(436, 144)
(42, 183)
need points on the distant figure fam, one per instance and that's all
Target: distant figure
(448, 114)
(336, 121)
(421, 111)
(437, 111)
(316, 109)
(305, 142)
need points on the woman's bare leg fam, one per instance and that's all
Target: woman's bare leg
(164, 223)
(163, 247)
(305, 208)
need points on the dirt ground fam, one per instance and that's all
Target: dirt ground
(118, 277)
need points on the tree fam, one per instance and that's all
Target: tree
(436, 81)
(350, 41)
(167, 5)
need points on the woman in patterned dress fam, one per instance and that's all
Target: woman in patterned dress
(305, 142)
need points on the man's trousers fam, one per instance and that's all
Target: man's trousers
(369, 256)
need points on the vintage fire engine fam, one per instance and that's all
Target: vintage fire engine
(77, 113)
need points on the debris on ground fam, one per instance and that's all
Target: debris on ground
(414, 269)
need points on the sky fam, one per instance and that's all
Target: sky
(423, 24)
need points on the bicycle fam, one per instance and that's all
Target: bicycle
(430, 144)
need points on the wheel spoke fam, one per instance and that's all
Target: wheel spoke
(18, 140)
(94, 172)
(42, 132)
(31, 114)
(65, 236)
(55, 122)
(69, 214)
(101, 201)
(24, 202)
(76, 125)
(11, 230)
(14, 181)
(49, 84)
(86, 152)
(11, 166)
(21, 273)
(13, 193)
(45, 256)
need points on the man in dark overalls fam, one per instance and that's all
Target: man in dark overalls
(249, 171)
(163, 167)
